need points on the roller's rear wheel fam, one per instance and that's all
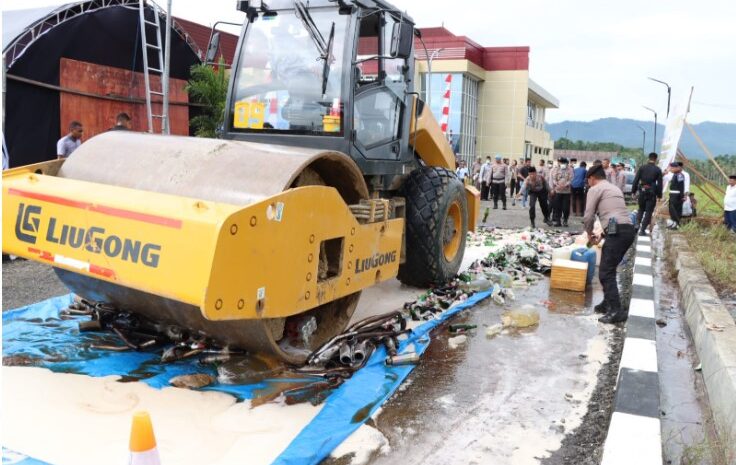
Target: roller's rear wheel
(436, 222)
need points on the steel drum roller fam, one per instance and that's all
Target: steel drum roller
(232, 172)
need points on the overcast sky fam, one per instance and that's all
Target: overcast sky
(593, 56)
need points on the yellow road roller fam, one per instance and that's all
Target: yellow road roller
(331, 176)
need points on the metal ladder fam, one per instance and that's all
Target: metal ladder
(146, 46)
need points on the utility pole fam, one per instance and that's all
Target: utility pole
(643, 142)
(654, 142)
(669, 93)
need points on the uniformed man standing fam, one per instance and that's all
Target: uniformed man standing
(499, 176)
(560, 180)
(606, 201)
(648, 182)
(679, 186)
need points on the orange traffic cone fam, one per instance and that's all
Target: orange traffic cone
(142, 441)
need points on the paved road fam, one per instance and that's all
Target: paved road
(517, 216)
(515, 398)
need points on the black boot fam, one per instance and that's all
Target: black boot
(548, 222)
(533, 225)
(601, 307)
(611, 318)
(564, 223)
(614, 315)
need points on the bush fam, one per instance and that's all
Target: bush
(208, 86)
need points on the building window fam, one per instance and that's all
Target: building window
(462, 122)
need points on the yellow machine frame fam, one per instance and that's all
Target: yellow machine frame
(259, 261)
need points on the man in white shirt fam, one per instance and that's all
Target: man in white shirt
(485, 183)
(461, 171)
(71, 142)
(729, 204)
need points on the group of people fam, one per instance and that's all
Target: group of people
(558, 188)
(73, 139)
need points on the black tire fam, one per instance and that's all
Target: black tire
(430, 193)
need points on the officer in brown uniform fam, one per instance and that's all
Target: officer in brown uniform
(560, 180)
(606, 201)
(499, 175)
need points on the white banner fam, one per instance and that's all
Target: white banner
(673, 131)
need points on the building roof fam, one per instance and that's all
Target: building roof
(449, 46)
(548, 100)
(200, 35)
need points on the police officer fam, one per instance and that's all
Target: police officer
(650, 178)
(499, 175)
(679, 186)
(607, 202)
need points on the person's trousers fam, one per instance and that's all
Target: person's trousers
(647, 202)
(498, 190)
(525, 195)
(512, 188)
(729, 218)
(484, 190)
(561, 207)
(614, 249)
(676, 207)
(578, 201)
(542, 197)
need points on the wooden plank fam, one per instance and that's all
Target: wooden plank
(98, 115)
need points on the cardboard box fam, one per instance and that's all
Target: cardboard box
(570, 275)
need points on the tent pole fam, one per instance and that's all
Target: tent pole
(707, 183)
(705, 149)
(166, 127)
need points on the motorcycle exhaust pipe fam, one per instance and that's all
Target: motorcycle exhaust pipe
(360, 350)
(346, 354)
(326, 355)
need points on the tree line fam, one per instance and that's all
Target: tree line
(705, 167)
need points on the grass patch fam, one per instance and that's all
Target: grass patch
(706, 207)
(715, 247)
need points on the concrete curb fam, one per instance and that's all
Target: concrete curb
(714, 333)
(634, 433)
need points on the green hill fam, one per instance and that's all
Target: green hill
(719, 137)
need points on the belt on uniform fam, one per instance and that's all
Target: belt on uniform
(675, 192)
(499, 180)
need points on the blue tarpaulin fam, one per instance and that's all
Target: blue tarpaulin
(36, 333)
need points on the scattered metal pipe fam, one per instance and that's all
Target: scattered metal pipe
(409, 358)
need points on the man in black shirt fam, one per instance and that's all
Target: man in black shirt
(648, 181)
(122, 122)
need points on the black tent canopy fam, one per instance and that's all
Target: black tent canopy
(103, 32)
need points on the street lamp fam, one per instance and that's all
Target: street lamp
(669, 93)
(644, 140)
(429, 75)
(654, 142)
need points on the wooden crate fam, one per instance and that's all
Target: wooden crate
(570, 275)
